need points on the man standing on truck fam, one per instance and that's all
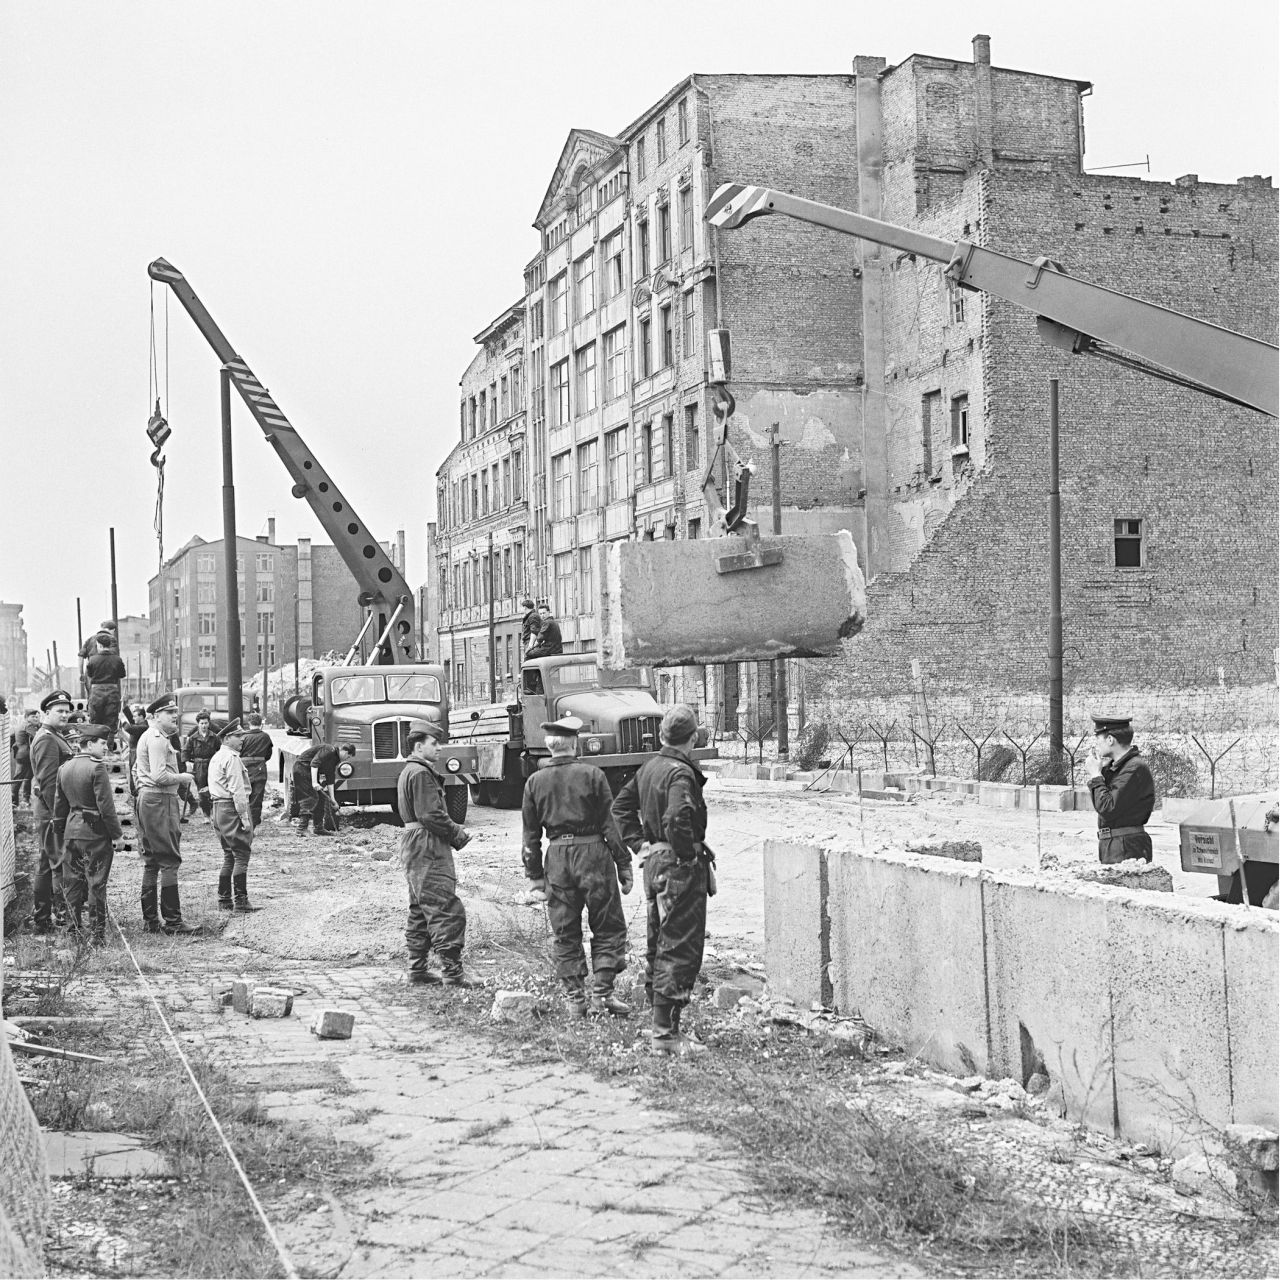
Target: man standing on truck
(662, 807)
(159, 778)
(586, 863)
(50, 750)
(85, 814)
(1122, 789)
(255, 754)
(314, 772)
(530, 624)
(103, 672)
(437, 918)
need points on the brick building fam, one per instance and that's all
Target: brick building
(285, 592)
(1169, 538)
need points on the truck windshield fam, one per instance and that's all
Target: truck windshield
(413, 686)
(344, 690)
(586, 675)
(207, 701)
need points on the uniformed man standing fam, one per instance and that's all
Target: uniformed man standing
(256, 752)
(50, 750)
(1122, 789)
(586, 863)
(314, 771)
(437, 918)
(22, 739)
(200, 747)
(103, 672)
(662, 807)
(85, 815)
(159, 779)
(232, 818)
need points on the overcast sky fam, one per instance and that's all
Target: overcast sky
(349, 188)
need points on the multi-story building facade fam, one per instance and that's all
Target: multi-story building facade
(481, 539)
(908, 412)
(294, 600)
(13, 649)
(134, 638)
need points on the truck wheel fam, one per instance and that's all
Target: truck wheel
(455, 803)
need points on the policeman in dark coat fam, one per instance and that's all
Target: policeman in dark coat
(548, 642)
(103, 672)
(662, 807)
(22, 739)
(437, 918)
(255, 754)
(85, 816)
(50, 750)
(586, 863)
(200, 747)
(313, 771)
(1122, 789)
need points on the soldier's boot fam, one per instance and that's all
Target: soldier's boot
(242, 904)
(150, 903)
(304, 818)
(455, 975)
(420, 972)
(603, 999)
(668, 1039)
(224, 893)
(171, 910)
(576, 995)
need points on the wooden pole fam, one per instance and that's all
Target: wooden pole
(1055, 586)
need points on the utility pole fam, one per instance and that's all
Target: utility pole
(56, 669)
(297, 684)
(1055, 586)
(79, 626)
(235, 675)
(115, 607)
(781, 711)
(493, 642)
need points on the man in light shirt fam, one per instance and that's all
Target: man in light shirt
(159, 778)
(232, 818)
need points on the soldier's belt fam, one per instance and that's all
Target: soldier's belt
(594, 838)
(1105, 833)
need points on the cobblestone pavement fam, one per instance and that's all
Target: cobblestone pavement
(490, 1167)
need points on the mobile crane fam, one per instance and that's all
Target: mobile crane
(363, 705)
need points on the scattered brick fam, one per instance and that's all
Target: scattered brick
(270, 1002)
(333, 1024)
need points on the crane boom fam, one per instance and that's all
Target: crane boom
(1075, 314)
(383, 589)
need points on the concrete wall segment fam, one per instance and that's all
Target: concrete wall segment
(1250, 947)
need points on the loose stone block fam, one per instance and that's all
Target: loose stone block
(219, 995)
(333, 1024)
(727, 995)
(960, 850)
(513, 1006)
(241, 991)
(1133, 873)
(270, 1002)
(1253, 1144)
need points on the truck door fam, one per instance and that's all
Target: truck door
(533, 703)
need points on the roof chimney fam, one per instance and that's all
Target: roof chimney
(400, 550)
(983, 110)
(271, 529)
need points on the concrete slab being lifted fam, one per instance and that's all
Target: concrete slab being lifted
(728, 599)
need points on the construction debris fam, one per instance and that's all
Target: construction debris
(333, 1024)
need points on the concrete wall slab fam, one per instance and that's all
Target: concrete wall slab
(796, 952)
(1250, 948)
(906, 952)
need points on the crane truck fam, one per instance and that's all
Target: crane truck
(370, 706)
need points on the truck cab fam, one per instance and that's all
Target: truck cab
(193, 699)
(372, 708)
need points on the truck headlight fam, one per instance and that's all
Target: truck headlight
(453, 765)
(346, 769)
(595, 746)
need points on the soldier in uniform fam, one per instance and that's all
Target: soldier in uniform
(662, 807)
(103, 673)
(22, 739)
(586, 863)
(437, 919)
(1122, 789)
(200, 747)
(256, 752)
(85, 815)
(159, 778)
(232, 818)
(314, 771)
(106, 629)
(50, 750)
